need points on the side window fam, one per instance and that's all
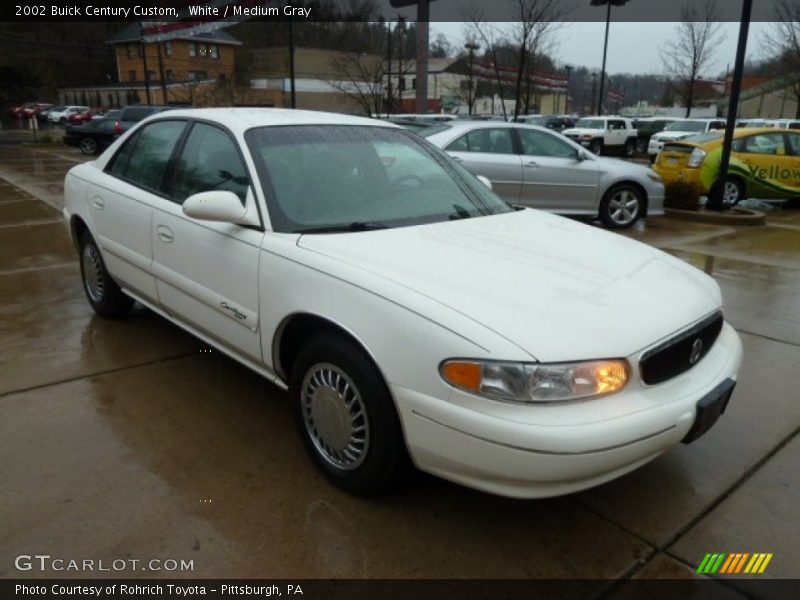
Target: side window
(494, 141)
(460, 145)
(616, 125)
(121, 158)
(209, 161)
(149, 154)
(717, 125)
(794, 142)
(765, 143)
(539, 143)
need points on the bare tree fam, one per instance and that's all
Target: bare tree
(492, 38)
(785, 39)
(361, 77)
(534, 22)
(696, 37)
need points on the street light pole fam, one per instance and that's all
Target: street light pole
(717, 193)
(568, 69)
(608, 3)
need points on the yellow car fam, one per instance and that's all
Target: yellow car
(765, 163)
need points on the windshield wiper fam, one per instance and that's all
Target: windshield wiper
(346, 227)
(461, 213)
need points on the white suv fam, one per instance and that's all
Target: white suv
(680, 130)
(600, 134)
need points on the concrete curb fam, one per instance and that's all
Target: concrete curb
(736, 216)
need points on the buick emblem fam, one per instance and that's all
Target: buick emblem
(697, 349)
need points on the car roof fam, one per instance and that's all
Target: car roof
(738, 133)
(242, 119)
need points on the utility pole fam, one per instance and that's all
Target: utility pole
(608, 4)
(143, 49)
(568, 69)
(716, 195)
(471, 47)
(594, 90)
(423, 18)
(292, 94)
(389, 97)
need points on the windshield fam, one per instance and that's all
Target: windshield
(698, 126)
(328, 178)
(590, 124)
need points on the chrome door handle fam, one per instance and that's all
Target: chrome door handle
(456, 158)
(165, 234)
(98, 203)
(532, 165)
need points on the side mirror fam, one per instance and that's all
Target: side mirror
(485, 181)
(581, 156)
(216, 205)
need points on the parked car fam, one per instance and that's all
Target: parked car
(646, 127)
(84, 116)
(550, 122)
(109, 114)
(680, 130)
(603, 134)
(44, 114)
(764, 163)
(132, 114)
(33, 109)
(535, 167)
(94, 136)
(408, 310)
(62, 116)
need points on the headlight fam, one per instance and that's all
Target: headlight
(536, 383)
(696, 158)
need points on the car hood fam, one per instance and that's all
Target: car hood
(558, 289)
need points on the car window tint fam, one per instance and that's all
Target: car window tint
(460, 145)
(209, 161)
(765, 143)
(151, 152)
(539, 143)
(121, 158)
(493, 141)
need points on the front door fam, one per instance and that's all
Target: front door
(206, 271)
(553, 177)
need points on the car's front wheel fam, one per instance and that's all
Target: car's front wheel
(622, 206)
(629, 149)
(347, 417)
(88, 146)
(596, 147)
(103, 293)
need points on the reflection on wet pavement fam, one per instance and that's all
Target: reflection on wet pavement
(130, 439)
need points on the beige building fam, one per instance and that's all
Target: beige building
(773, 99)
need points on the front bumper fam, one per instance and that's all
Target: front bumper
(541, 451)
(654, 147)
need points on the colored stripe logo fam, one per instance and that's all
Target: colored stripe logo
(734, 563)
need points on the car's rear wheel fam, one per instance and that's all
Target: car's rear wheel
(347, 417)
(103, 293)
(733, 192)
(622, 206)
(88, 146)
(596, 147)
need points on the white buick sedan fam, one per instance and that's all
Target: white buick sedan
(413, 316)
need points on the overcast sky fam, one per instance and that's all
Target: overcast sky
(632, 47)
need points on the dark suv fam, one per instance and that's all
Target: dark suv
(137, 112)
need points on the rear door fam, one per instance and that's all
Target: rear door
(552, 176)
(617, 132)
(491, 152)
(122, 206)
(772, 167)
(206, 271)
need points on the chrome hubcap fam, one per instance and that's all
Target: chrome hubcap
(731, 194)
(93, 278)
(623, 207)
(87, 145)
(334, 416)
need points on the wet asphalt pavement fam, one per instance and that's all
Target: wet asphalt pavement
(132, 439)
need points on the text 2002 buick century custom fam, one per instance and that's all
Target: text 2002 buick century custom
(409, 311)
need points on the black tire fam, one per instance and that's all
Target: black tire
(107, 299)
(88, 146)
(596, 147)
(381, 459)
(62, 120)
(616, 208)
(629, 149)
(641, 146)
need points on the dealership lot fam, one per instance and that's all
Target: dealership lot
(131, 439)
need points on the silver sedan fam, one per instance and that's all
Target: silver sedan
(531, 166)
